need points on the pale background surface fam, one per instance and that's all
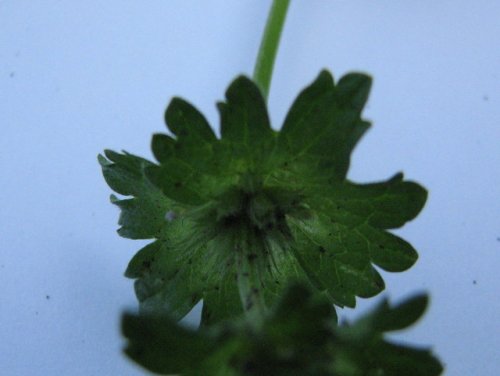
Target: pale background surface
(80, 76)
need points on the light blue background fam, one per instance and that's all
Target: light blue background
(80, 76)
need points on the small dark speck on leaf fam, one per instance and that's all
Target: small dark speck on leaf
(248, 303)
(252, 257)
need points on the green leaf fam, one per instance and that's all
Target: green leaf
(165, 283)
(162, 147)
(195, 166)
(324, 124)
(298, 337)
(352, 91)
(398, 360)
(402, 315)
(363, 351)
(309, 115)
(124, 173)
(163, 347)
(187, 123)
(245, 126)
(385, 205)
(173, 273)
(337, 258)
(221, 300)
(178, 181)
(195, 139)
(235, 219)
(337, 246)
(143, 215)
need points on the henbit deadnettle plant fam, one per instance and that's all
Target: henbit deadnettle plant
(265, 229)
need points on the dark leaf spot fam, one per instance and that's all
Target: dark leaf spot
(251, 257)
(248, 303)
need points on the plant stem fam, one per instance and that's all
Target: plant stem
(269, 45)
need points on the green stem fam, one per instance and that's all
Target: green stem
(269, 46)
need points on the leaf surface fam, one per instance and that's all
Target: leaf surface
(234, 220)
(245, 126)
(298, 336)
(143, 215)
